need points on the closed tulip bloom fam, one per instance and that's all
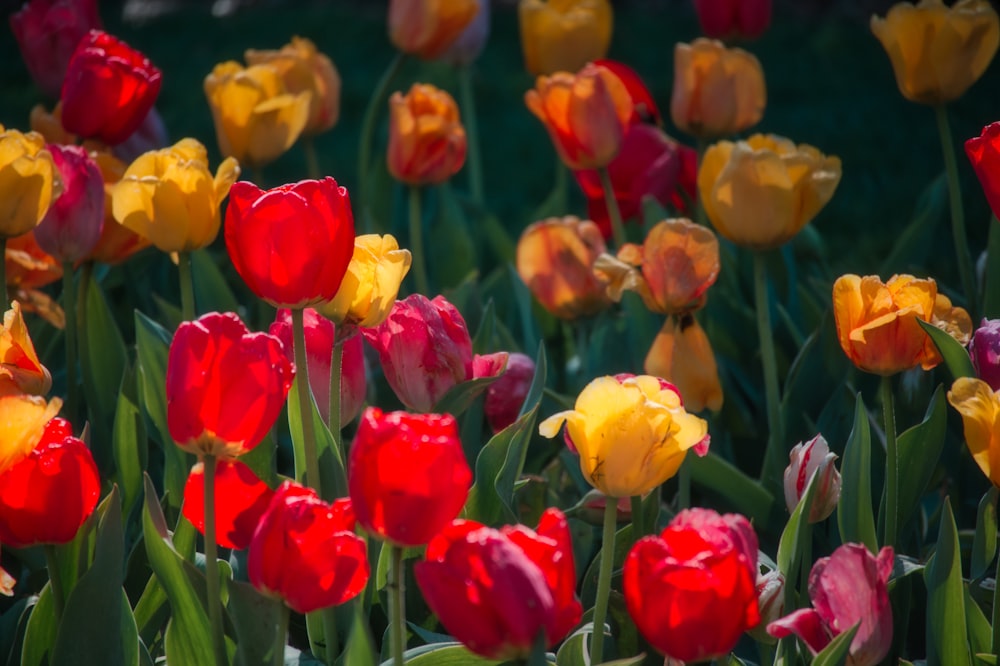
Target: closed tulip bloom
(770, 603)
(985, 352)
(171, 197)
(733, 19)
(555, 259)
(407, 475)
(29, 181)
(631, 433)
(23, 419)
(291, 244)
(984, 153)
(938, 52)
(256, 118)
(692, 590)
(470, 43)
(586, 114)
(428, 28)
(225, 385)
(47, 32)
(117, 242)
(109, 89)
(806, 461)
(682, 354)
(426, 139)
(20, 370)
(563, 35)
(847, 588)
(305, 551)
(506, 395)
(303, 68)
(72, 226)
(979, 406)
(47, 495)
(240, 501)
(717, 91)
(496, 590)
(759, 193)
(371, 284)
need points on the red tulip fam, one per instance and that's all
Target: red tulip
(292, 244)
(692, 590)
(47, 32)
(984, 153)
(47, 496)
(729, 19)
(305, 551)
(494, 590)
(240, 501)
(109, 89)
(505, 396)
(320, 334)
(72, 226)
(407, 475)
(225, 385)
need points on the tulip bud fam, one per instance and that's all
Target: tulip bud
(506, 395)
(808, 459)
(29, 181)
(47, 33)
(770, 603)
(72, 226)
(371, 284)
(428, 28)
(984, 153)
(427, 142)
(470, 43)
(985, 352)
(563, 36)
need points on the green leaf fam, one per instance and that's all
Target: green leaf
(129, 442)
(835, 654)
(573, 651)
(452, 254)
(988, 659)
(956, 357)
(729, 481)
(980, 632)
(40, 633)
(333, 477)
(530, 335)
(919, 449)
(212, 292)
(460, 396)
(255, 617)
(947, 634)
(443, 654)
(984, 543)
(360, 649)
(796, 532)
(912, 246)
(854, 511)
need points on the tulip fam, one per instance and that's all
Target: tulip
(305, 552)
(47, 32)
(291, 244)
(225, 385)
(563, 35)
(109, 89)
(469, 44)
(256, 118)
(20, 370)
(555, 259)
(496, 590)
(117, 242)
(644, 108)
(371, 285)
(733, 19)
(717, 91)
(979, 406)
(320, 336)
(407, 475)
(304, 69)
(984, 153)
(28, 268)
(813, 460)
(23, 421)
(586, 114)
(770, 603)
(240, 501)
(692, 590)
(48, 494)
(72, 226)
(682, 354)
(759, 193)
(426, 139)
(425, 350)
(938, 52)
(631, 434)
(428, 28)
(505, 396)
(29, 181)
(847, 588)
(171, 197)
(985, 352)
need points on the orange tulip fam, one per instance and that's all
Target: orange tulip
(979, 406)
(586, 114)
(20, 369)
(563, 35)
(427, 28)
(426, 138)
(22, 423)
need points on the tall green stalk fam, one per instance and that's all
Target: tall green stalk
(891, 464)
(312, 159)
(280, 637)
(419, 266)
(957, 214)
(212, 589)
(366, 139)
(772, 394)
(604, 580)
(55, 581)
(617, 226)
(69, 307)
(397, 605)
(474, 159)
(336, 386)
(305, 399)
(187, 286)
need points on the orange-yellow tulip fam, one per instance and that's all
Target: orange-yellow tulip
(29, 181)
(22, 422)
(426, 139)
(20, 369)
(427, 28)
(979, 406)
(682, 354)
(563, 35)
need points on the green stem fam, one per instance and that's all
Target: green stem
(891, 464)
(638, 524)
(684, 485)
(366, 139)
(604, 580)
(280, 637)
(617, 226)
(336, 378)
(397, 605)
(212, 565)
(305, 398)
(419, 268)
(474, 159)
(805, 566)
(86, 275)
(312, 159)
(561, 184)
(188, 309)
(957, 213)
(330, 636)
(772, 393)
(55, 580)
(69, 307)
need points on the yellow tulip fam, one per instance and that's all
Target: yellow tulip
(631, 434)
(256, 118)
(563, 35)
(371, 284)
(682, 354)
(170, 197)
(760, 192)
(20, 369)
(938, 52)
(979, 406)
(29, 181)
(22, 421)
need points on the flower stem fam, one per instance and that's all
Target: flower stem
(330, 636)
(617, 226)
(305, 398)
(86, 275)
(365, 141)
(397, 605)
(280, 637)
(638, 522)
(212, 565)
(187, 286)
(471, 131)
(336, 383)
(891, 464)
(312, 159)
(772, 392)
(957, 213)
(684, 485)
(417, 243)
(69, 307)
(604, 580)
(55, 580)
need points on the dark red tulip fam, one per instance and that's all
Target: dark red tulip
(72, 225)
(505, 396)
(240, 500)
(47, 32)
(984, 153)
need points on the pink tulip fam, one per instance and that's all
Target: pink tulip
(806, 460)
(505, 396)
(727, 19)
(72, 226)
(47, 32)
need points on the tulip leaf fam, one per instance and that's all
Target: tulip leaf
(212, 292)
(333, 477)
(956, 356)
(984, 543)
(40, 632)
(836, 653)
(460, 396)
(129, 442)
(796, 534)
(854, 511)
(919, 449)
(451, 257)
(254, 618)
(12, 623)
(991, 299)
(988, 659)
(980, 632)
(360, 649)
(729, 481)
(947, 634)
(573, 651)
(911, 247)
(530, 335)
(444, 654)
